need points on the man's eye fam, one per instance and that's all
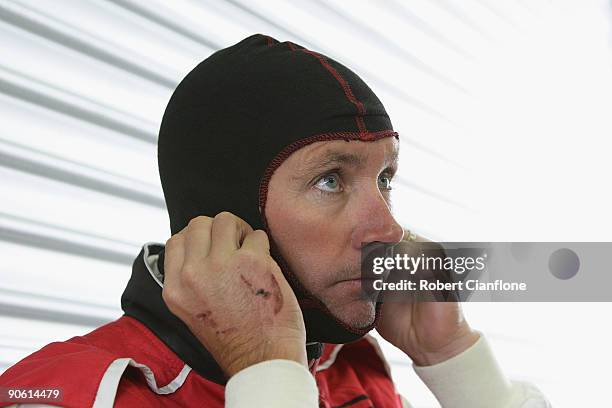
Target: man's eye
(329, 183)
(385, 182)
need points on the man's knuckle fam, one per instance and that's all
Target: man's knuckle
(201, 221)
(189, 273)
(225, 216)
(173, 242)
(260, 234)
(169, 296)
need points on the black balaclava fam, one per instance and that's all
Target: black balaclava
(237, 116)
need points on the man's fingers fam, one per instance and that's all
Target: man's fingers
(257, 241)
(197, 239)
(410, 236)
(228, 233)
(173, 258)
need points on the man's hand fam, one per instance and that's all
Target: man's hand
(221, 281)
(428, 332)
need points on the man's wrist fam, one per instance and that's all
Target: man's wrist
(285, 351)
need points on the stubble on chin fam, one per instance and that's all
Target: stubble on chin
(357, 314)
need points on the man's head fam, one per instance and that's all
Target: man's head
(294, 143)
(324, 203)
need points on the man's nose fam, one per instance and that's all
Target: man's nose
(376, 224)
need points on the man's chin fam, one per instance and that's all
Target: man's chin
(358, 314)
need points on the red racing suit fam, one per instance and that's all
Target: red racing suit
(123, 364)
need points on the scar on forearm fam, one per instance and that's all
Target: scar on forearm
(273, 293)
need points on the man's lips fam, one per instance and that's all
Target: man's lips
(357, 285)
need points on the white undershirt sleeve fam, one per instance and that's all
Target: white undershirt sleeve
(474, 379)
(272, 384)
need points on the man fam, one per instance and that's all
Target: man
(276, 164)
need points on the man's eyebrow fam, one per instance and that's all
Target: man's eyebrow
(335, 157)
(393, 159)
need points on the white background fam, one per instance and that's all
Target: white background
(503, 108)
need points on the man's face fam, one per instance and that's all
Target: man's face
(324, 202)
